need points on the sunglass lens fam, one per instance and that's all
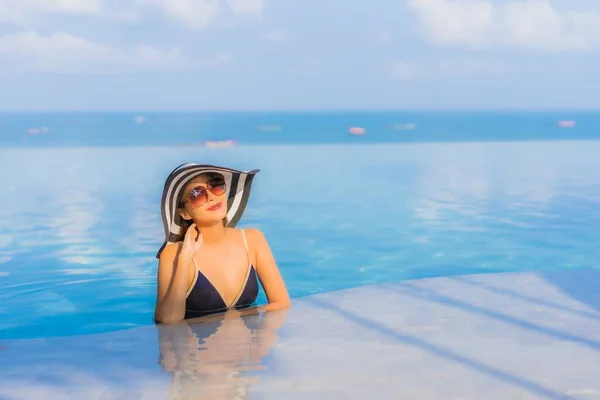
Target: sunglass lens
(198, 196)
(217, 186)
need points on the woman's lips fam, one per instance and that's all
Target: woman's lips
(215, 207)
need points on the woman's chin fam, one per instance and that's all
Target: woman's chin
(211, 220)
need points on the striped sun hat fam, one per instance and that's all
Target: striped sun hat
(238, 192)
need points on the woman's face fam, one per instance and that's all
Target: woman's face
(204, 200)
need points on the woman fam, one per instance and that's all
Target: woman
(205, 265)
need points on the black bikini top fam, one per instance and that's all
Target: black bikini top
(204, 299)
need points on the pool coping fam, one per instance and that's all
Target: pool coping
(493, 336)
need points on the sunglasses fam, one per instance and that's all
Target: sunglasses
(198, 195)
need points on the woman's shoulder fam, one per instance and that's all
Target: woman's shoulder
(251, 233)
(170, 250)
(256, 239)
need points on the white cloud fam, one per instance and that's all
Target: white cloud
(274, 36)
(529, 24)
(467, 66)
(384, 36)
(193, 14)
(198, 14)
(405, 70)
(446, 67)
(247, 7)
(20, 11)
(151, 56)
(64, 52)
(47, 50)
(219, 60)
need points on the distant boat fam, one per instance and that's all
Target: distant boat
(140, 119)
(404, 127)
(567, 124)
(37, 131)
(356, 130)
(219, 143)
(270, 128)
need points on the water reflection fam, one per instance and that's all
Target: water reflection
(217, 359)
(483, 177)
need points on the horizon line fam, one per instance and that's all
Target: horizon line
(303, 110)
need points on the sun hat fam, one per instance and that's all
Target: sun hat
(238, 183)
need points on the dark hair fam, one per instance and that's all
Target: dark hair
(185, 225)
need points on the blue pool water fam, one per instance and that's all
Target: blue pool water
(79, 226)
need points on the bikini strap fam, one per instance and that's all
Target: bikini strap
(245, 242)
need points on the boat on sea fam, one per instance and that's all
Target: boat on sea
(567, 124)
(404, 127)
(219, 143)
(357, 130)
(269, 128)
(37, 131)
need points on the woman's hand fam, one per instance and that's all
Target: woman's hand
(192, 240)
(173, 267)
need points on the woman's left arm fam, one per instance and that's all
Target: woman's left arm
(268, 272)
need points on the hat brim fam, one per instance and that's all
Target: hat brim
(238, 183)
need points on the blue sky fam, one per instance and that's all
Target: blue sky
(309, 54)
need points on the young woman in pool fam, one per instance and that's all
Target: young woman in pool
(205, 265)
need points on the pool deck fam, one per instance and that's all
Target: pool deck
(496, 336)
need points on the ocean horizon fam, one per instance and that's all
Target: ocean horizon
(164, 128)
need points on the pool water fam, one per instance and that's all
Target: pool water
(79, 227)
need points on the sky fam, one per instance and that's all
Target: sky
(298, 55)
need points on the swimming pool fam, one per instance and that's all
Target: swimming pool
(79, 227)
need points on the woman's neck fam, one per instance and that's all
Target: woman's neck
(212, 233)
